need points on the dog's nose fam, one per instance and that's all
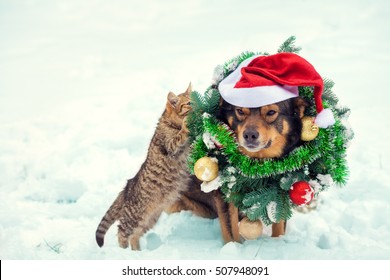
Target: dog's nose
(251, 135)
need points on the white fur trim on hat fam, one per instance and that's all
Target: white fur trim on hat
(253, 97)
(325, 118)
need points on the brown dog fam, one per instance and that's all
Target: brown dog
(271, 131)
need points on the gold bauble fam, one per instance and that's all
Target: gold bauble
(309, 129)
(250, 230)
(206, 169)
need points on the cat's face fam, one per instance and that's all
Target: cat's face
(178, 106)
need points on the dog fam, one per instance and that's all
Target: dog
(271, 131)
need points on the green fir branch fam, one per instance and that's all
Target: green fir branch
(55, 248)
(289, 46)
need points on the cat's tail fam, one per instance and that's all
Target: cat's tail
(109, 218)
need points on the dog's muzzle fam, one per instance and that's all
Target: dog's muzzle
(252, 141)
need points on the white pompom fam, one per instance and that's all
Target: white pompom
(325, 118)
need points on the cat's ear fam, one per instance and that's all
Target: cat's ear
(172, 99)
(188, 90)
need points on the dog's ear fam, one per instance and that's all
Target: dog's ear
(300, 106)
(220, 102)
(224, 105)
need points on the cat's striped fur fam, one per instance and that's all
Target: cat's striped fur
(159, 181)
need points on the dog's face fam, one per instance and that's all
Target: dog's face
(270, 131)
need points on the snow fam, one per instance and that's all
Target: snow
(83, 83)
(271, 211)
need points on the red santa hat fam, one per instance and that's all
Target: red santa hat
(264, 80)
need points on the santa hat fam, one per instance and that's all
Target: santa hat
(264, 80)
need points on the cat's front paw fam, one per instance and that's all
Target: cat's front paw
(184, 128)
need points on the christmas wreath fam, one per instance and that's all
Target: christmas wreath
(267, 189)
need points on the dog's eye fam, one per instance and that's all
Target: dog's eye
(240, 112)
(271, 113)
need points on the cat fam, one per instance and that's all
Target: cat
(160, 180)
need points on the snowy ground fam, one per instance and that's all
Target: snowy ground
(82, 84)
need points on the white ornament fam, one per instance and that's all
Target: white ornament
(208, 140)
(212, 185)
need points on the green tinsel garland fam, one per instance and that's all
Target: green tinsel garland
(259, 187)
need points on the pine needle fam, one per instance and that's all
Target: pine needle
(288, 46)
(55, 248)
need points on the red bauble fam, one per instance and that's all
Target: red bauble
(301, 193)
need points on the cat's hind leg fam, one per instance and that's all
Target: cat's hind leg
(123, 237)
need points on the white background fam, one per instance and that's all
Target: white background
(83, 83)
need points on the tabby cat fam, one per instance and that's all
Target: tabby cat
(159, 181)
